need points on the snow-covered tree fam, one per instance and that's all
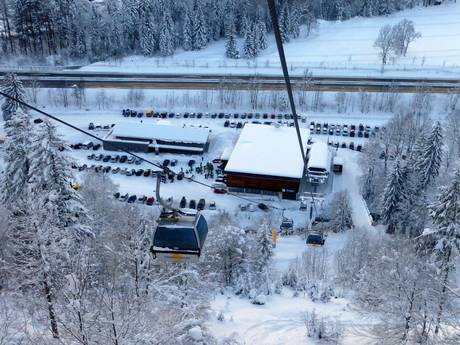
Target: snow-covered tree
(260, 30)
(341, 218)
(200, 28)
(231, 51)
(17, 164)
(12, 86)
(431, 152)
(166, 35)
(187, 32)
(404, 33)
(393, 196)
(384, 43)
(446, 218)
(284, 22)
(250, 45)
(148, 38)
(51, 182)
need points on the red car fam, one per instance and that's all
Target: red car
(150, 201)
(220, 190)
(216, 161)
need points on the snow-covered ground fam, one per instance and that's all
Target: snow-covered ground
(334, 48)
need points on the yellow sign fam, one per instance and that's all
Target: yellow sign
(176, 257)
(274, 237)
(76, 186)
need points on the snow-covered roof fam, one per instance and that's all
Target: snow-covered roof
(225, 156)
(319, 156)
(267, 150)
(160, 132)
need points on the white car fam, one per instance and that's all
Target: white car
(251, 208)
(212, 205)
(243, 207)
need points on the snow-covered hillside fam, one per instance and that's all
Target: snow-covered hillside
(332, 48)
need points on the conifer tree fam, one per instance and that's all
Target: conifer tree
(51, 182)
(200, 29)
(446, 218)
(393, 197)
(166, 38)
(187, 37)
(148, 39)
(250, 46)
(429, 162)
(231, 50)
(17, 163)
(12, 86)
(341, 218)
(284, 22)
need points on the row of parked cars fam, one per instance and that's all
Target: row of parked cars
(351, 145)
(87, 145)
(94, 127)
(192, 204)
(360, 131)
(130, 199)
(199, 115)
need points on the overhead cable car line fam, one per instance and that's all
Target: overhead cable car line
(287, 80)
(164, 169)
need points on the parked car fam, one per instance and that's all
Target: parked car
(106, 158)
(192, 204)
(344, 145)
(116, 195)
(243, 207)
(123, 159)
(351, 146)
(201, 204)
(124, 197)
(132, 199)
(137, 161)
(227, 123)
(147, 172)
(183, 202)
(99, 157)
(262, 206)
(130, 160)
(173, 162)
(239, 125)
(150, 201)
(87, 145)
(251, 208)
(91, 126)
(115, 170)
(139, 172)
(212, 205)
(359, 147)
(166, 162)
(114, 159)
(180, 176)
(191, 162)
(91, 156)
(345, 131)
(142, 199)
(106, 169)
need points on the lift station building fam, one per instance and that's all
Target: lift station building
(267, 160)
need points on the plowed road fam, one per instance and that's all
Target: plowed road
(69, 79)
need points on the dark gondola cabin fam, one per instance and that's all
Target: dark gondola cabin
(179, 238)
(315, 239)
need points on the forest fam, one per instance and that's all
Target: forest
(84, 30)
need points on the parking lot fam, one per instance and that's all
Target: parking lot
(139, 179)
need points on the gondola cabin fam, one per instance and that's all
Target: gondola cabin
(315, 239)
(287, 225)
(179, 238)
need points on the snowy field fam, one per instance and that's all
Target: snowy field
(333, 48)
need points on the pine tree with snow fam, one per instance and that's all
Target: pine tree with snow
(166, 36)
(341, 219)
(200, 29)
(245, 26)
(12, 86)
(446, 218)
(294, 22)
(250, 46)
(260, 38)
(17, 164)
(393, 197)
(429, 163)
(284, 22)
(187, 35)
(51, 182)
(231, 50)
(148, 39)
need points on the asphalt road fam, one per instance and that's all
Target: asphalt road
(70, 79)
